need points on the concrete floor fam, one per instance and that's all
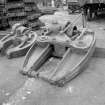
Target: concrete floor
(86, 89)
(10, 79)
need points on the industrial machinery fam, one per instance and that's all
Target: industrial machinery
(92, 8)
(17, 42)
(58, 58)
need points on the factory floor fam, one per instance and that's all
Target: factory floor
(85, 89)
